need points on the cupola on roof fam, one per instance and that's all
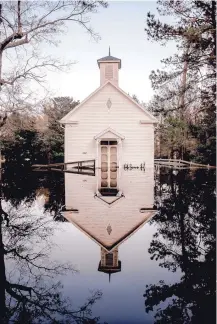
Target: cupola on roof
(109, 58)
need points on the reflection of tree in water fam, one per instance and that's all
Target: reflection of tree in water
(21, 183)
(29, 287)
(185, 240)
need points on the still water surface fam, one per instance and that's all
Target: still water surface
(72, 257)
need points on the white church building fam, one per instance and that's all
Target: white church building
(110, 128)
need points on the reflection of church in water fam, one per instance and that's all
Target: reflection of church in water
(110, 218)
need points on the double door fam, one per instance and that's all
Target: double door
(109, 170)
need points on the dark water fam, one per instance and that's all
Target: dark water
(166, 270)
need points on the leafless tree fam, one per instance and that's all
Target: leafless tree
(25, 27)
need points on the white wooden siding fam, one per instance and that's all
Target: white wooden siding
(123, 116)
(94, 216)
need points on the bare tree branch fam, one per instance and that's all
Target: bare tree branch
(25, 26)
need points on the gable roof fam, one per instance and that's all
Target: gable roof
(65, 118)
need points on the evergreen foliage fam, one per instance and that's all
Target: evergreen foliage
(186, 87)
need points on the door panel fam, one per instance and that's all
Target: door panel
(104, 184)
(113, 183)
(104, 175)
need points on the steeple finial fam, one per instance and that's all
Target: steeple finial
(109, 51)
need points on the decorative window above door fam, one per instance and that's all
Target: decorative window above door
(108, 142)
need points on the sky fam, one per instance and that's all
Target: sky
(121, 26)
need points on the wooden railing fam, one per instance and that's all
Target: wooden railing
(181, 163)
(79, 167)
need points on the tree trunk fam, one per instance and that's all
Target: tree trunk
(1, 66)
(184, 253)
(2, 278)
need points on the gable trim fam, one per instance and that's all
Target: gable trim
(154, 119)
(148, 114)
(109, 204)
(109, 129)
(124, 238)
(64, 119)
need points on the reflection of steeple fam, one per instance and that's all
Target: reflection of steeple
(109, 262)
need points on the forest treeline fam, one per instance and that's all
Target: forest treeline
(185, 88)
(37, 138)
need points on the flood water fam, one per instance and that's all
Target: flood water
(70, 256)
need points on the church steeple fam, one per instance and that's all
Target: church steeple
(109, 262)
(109, 66)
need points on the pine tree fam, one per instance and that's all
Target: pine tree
(192, 68)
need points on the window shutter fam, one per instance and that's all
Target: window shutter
(109, 71)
